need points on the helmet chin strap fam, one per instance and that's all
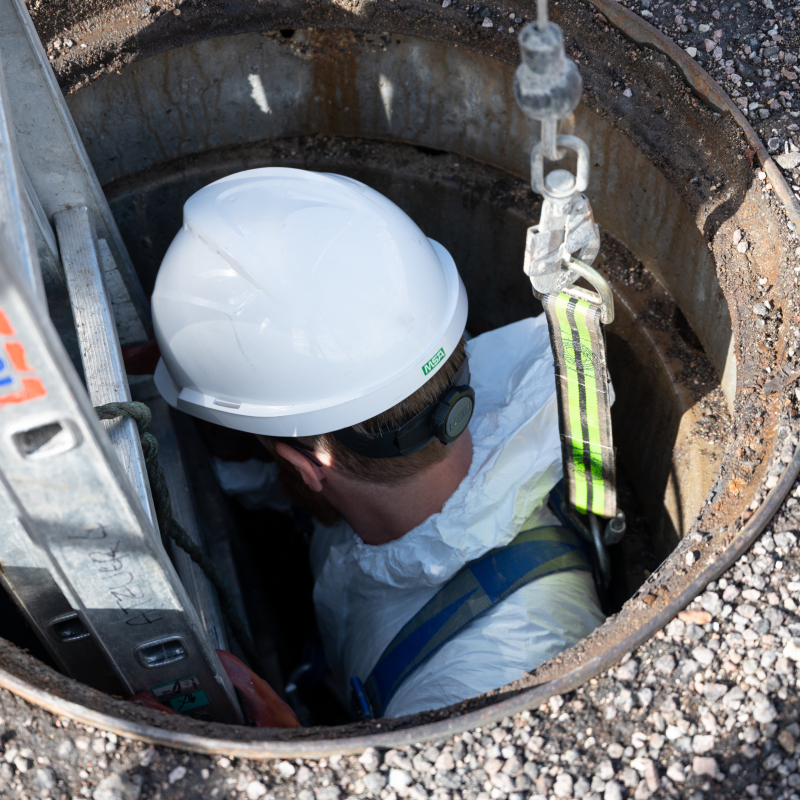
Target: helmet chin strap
(445, 419)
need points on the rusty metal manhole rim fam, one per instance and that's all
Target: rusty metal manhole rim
(644, 34)
(530, 698)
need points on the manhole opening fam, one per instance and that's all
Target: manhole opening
(402, 113)
(668, 395)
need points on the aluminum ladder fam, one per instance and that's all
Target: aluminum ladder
(79, 545)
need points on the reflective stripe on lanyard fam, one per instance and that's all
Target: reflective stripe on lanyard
(584, 411)
(473, 591)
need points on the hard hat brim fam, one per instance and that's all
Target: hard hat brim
(325, 417)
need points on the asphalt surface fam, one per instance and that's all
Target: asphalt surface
(707, 708)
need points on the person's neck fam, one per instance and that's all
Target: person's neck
(379, 513)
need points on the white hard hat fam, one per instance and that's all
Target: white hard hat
(294, 303)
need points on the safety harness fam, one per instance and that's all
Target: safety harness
(473, 591)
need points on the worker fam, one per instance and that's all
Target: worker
(309, 310)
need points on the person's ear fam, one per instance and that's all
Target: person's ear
(311, 474)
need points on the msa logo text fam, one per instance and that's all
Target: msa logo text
(433, 362)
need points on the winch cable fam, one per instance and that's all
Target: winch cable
(548, 87)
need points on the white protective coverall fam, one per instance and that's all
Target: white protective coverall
(364, 594)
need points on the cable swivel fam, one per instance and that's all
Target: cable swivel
(560, 184)
(547, 84)
(547, 87)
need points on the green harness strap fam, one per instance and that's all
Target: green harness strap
(584, 410)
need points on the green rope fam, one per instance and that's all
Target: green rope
(170, 529)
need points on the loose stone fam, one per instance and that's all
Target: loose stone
(177, 774)
(605, 770)
(788, 160)
(563, 785)
(696, 616)
(613, 791)
(666, 664)
(616, 750)
(702, 744)
(493, 766)
(399, 778)
(764, 712)
(446, 762)
(117, 787)
(786, 741)
(255, 789)
(45, 778)
(628, 671)
(704, 765)
(374, 782)
(370, 759)
(703, 655)
(286, 769)
(676, 772)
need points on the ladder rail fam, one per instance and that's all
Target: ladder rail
(25, 574)
(13, 212)
(50, 147)
(87, 266)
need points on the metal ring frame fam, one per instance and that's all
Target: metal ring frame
(604, 297)
(711, 93)
(569, 142)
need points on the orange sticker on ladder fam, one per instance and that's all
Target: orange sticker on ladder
(16, 353)
(18, 389)
(31, 389)
(5, 325)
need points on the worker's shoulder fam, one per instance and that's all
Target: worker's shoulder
(534, 624)
(531, 331)
(506, 359)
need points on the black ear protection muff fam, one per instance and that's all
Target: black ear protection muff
(445, 420)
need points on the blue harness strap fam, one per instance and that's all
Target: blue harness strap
(473, 591)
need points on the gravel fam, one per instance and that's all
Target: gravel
(706, 708)
(702, 710)
(751, 49)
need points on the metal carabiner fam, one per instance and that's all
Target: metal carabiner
(604, 298)
(579, 181)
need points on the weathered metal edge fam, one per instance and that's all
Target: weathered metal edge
(706, 88)
(710, 92)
